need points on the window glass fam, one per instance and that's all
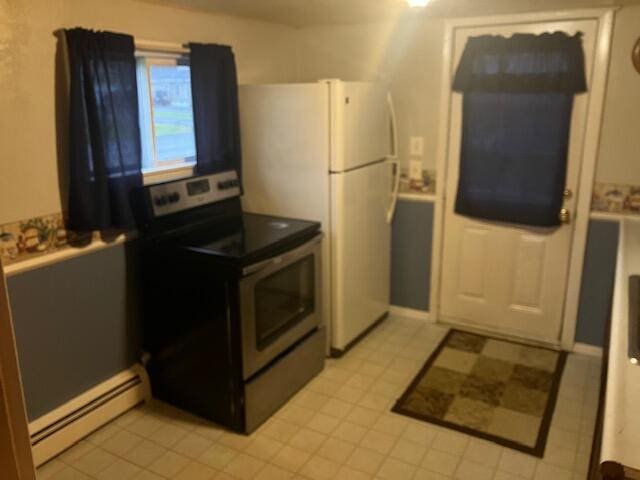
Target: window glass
(172, 112)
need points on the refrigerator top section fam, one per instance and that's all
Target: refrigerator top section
(359, 117)
(360, 125)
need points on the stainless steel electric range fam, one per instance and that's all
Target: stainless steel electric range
(231, 312)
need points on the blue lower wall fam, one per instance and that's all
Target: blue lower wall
(75, 324)
(412, 233)
(597, 282)
(411, 267)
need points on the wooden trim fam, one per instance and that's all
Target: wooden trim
(410, 313)
(88, 412)
(65, 254)
(418, 197)
(587, 174)
(15, 446)
(586, 349)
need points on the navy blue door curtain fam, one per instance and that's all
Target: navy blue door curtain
(214, 87)
(517, 104)
(104, 144)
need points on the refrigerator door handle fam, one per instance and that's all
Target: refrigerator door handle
(396, 190)
(393, 155)
(393, 159)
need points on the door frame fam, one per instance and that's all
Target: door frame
(605, 18)
(15, 443)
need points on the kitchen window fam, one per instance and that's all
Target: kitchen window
(166, 118)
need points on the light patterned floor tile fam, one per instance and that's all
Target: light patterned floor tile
(264, 447)
(291, 458)
(94, 461)
(169, 434)
(468, 470)
(68, 473)
(339, 427)
(318, 468)
(121, 442)
(323, 423)
(337, 408)
(281, 430)
(272, 472)
(145, 453)
(348, 473)
(393, 469)
(218, 456)
(545, 471)
(423, 474)
(78, 450)
(244, 466)
(350, 432)
(409, 452)
(196, 471)
(420, 432)
(450, 442)
(192, 445)
(365, 460)
(336, 450)
(440, 462)
(391, 424)
(49, 469)
(485, 453)
(365, 417)
(147, 475)
(307, 440)
(378, 442)
(119, 470)
(169, 464)
(517, 463)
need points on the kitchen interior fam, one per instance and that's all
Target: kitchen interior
(275, 239)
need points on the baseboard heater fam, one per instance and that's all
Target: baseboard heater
(58, 430)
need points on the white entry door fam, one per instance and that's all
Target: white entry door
(501, 277)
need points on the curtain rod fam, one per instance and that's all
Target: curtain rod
(162, 47)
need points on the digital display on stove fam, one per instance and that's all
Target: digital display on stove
(198, 187)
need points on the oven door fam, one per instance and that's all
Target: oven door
(280, 302)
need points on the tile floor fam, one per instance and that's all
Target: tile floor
(338, 427)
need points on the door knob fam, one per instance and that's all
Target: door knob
(565, 216)
(567, 194)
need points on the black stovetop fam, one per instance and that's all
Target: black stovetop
(249, 237)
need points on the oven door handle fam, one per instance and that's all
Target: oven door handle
(287, 257)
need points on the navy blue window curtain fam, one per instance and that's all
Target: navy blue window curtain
(517, 105)
(104, 150)
(214, 87)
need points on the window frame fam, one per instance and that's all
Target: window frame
(168, 169)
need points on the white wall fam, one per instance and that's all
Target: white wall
(28, 149)
(407, 54)
(619, 158)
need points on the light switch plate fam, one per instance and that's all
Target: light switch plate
(416, 146)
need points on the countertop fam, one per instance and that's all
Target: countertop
(621, 427)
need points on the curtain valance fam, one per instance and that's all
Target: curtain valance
(523, 63)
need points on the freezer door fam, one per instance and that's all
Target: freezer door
(360, 124)
(360, 250)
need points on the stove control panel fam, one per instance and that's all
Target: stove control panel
(188, 193)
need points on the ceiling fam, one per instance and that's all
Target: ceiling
(304, 13)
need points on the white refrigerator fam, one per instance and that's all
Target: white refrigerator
(326, 151)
